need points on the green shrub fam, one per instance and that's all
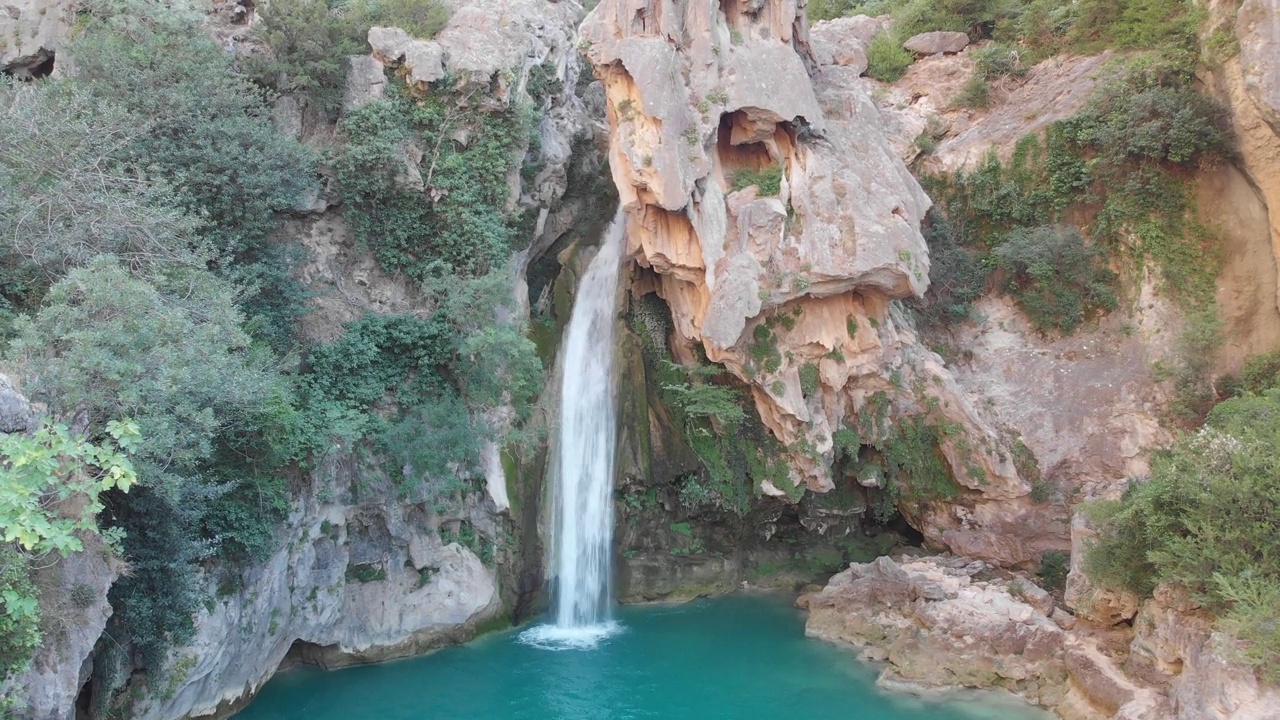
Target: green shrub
(209, 136)
(367, 573)
(887, 60)
(1056, 278)
(1054, 567)
(914, 466)
(1205, 520)
(957, 275)
(466, 228)
(768, 182)
(975, 94)
(1120, 163)
(420, 18)
(308, 46)
(810, 380)
(20, 621)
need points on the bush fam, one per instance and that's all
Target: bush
(466, 229)
(957, 275)
(887, 60)
(308, 49)
(1054, 568)
(768, 182)
(209, 135)
(975, 94)
(20, 621)
(420, 18)
(1056, 278)
(67, 198)
(1205, 520)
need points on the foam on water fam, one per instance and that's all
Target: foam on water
(554, 637)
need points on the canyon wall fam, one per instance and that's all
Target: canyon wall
(768, 278)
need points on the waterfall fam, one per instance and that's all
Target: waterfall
(582, 524)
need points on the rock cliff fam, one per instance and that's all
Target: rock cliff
(361, 574)
(771, 214)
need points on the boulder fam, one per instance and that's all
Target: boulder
(843, 41)
(424, 59)
(15, 411)
(366, 82)
(938, 41)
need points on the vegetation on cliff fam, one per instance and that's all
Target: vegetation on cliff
(1024, 31)
(1205, 521)
(144, 285)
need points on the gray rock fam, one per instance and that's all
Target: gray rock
(73, 590)
(1258, 29)
(15, 410)
(31, 31)
(843, 41)
(938, 41)
(423, 58)
(366, 82)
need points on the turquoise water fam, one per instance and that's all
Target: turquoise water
(734, 657)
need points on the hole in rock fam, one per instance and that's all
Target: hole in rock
(38, 66)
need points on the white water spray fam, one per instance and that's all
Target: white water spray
(582, 528)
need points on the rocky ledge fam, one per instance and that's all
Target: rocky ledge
(953, 622)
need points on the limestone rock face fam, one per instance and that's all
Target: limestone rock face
(73, 590)
(843, 41)
(30, 32)
(704, 102)
(937, 42)
(941, 627)
(1103, 606)
(1175, 643)
(1258, 29)
(354, 582)
(423, 59)
(15, 410)
(938, 625)
(1248, 86)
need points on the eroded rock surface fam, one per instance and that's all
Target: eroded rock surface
(351, 583)
(30, 32)
(939, 625)
(946, 622)
(1258, 29)
(709, 103)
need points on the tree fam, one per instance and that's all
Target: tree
(38, 473)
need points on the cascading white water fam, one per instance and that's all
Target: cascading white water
(582, 525)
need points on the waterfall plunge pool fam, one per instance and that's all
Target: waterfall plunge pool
(741, 657)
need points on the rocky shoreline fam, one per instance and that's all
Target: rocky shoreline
(946, 622)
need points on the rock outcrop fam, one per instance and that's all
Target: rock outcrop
(948, 622)
(30, 32)
(1258, 30)
(937, 42)
(939, 624)
(353, 582)
(779, 226)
